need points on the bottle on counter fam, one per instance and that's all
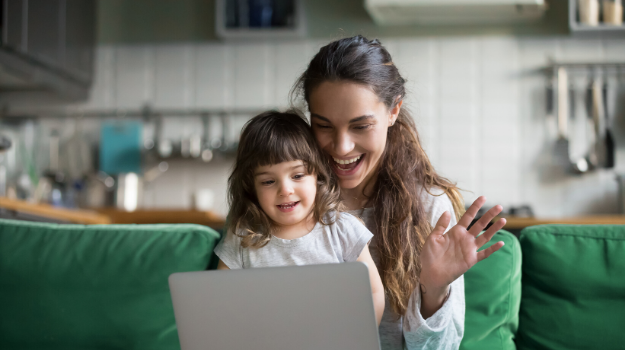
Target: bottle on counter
(588, 12)
(613, 12)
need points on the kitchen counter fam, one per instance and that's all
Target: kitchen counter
(518, 223)
(164, 216)
(46, 211)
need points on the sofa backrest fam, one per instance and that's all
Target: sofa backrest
(94, 287)
(493, 294)
(573, 293)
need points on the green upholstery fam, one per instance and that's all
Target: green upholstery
(573, 287)
(94, 287)
(493, 295)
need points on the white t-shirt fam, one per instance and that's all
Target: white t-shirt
(444, 329)
(342, 241)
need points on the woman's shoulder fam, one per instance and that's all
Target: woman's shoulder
(433, 196)
(435, 202)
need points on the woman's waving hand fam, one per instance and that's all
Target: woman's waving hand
(447, 256)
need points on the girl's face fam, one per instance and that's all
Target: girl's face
(286, 193)
(350, 124)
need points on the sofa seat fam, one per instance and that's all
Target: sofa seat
(94, 287)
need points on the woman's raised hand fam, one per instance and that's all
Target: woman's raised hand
(447, 256)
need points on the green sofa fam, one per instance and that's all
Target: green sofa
(105, 287)
(94, 287)
(556, 287)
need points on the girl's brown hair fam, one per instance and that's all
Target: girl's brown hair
(267, 139)
(404, 169)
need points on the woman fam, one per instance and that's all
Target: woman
(355, 97)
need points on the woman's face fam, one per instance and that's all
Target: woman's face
(350, 124)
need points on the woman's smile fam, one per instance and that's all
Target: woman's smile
(347, 167)
(351, 125)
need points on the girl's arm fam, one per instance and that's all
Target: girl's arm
(222, 266)
(377, 289)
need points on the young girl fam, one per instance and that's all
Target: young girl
(285, 204)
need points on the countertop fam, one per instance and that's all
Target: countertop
(164, 216)
(517, 223)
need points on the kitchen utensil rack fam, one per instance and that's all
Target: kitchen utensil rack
(145, 113)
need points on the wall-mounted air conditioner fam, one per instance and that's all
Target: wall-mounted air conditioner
(454, 12)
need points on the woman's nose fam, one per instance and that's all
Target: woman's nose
(343, 144)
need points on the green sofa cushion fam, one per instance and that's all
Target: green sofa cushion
(573, 287)
(94, 287)
(493, 293)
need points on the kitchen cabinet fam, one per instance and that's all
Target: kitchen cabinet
(260, 19)
(47, 45)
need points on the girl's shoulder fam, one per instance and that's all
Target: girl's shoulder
(341, 218)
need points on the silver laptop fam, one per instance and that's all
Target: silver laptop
(295, 307)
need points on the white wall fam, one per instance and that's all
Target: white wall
(479, 104)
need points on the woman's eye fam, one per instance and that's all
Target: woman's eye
(362, 127)
(322, 126)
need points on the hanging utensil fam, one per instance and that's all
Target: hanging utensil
(579, 143)
(609, 138)
(598, 116)
(562, 144)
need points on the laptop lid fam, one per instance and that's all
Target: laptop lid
(294, 307)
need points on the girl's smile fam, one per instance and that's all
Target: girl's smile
(287, 207)
(286, 193)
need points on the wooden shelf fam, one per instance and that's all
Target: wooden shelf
(602, 30)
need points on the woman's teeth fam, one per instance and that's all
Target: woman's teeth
(347, 161)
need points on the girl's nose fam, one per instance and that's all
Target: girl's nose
(343, 143)
(286, 189)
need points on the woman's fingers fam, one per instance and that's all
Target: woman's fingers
(469, 215)
(486, 236)
(488, 251)
(441, 224)
(479, 225)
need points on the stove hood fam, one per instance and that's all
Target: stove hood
(453, 12)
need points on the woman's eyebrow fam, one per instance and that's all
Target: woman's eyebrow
(355, 120)
(361, 118)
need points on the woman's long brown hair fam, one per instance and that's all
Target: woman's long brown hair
(404, 169)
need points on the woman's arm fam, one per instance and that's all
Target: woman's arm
(447, 256)
(435, 314)
(377, 289)
(222, 266)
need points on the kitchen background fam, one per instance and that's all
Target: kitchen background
(480, 98)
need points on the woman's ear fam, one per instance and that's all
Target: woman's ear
(394, 112)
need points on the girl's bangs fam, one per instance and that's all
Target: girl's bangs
(283, 147)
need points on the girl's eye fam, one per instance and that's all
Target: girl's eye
(267, 183)
(299, 176)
